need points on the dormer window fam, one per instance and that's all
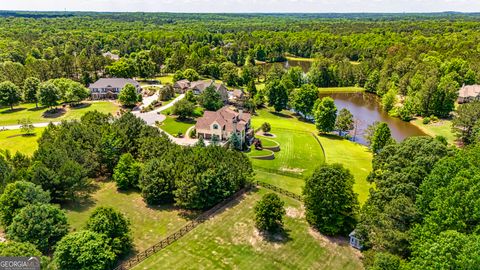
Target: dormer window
(215, 126)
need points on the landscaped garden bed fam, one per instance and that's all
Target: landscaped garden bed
(263, 154)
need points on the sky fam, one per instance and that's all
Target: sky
(239, 6)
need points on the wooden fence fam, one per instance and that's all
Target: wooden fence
(138, 258)
(165, 242)
(279, 190)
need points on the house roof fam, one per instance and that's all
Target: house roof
(111, 55)
(225, 117)
(113, 83)
(469, 91)
(201, 85)
(238, 93)
(183, 84)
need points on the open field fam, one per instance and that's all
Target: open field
(341, 89)
(231, 241)
(14, 140)
(28, 110)
(440, 128)
(149, 224)
(173, 126)
(353, 156)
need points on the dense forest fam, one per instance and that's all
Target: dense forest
(415, 62)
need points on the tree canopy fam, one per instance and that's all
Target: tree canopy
(331, 206)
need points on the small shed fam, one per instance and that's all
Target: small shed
(354, 241)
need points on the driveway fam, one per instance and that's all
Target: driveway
(152, 116)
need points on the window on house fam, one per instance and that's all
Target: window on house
(215, 126)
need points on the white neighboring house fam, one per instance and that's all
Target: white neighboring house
(110, 87)
(469, 93)
(223, 123)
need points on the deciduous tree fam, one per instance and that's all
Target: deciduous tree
(9, 94)
(269, 213)
(40, 224)
(331, 205)
(325, 114)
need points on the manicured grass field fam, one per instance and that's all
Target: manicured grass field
(353, 156)
(14, 140)
(149, 224)
(231, 241)
(268, 142)
(300, 153)
(258, 153)
(28, 110)
(341, 89)
(173, 126)
(440, 128)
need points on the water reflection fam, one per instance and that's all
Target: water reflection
(366, 109)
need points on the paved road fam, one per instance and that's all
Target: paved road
(37, 125)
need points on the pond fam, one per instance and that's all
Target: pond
(305, 65)
(366, 109)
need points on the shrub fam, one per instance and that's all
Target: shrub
(266, 127)
(426, 120)
(269, 212)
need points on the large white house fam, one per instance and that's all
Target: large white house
(110, 87)
(223, 123)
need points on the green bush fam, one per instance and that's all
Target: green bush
(426, 120)
(269, 212)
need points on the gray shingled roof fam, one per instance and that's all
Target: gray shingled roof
(113, 83)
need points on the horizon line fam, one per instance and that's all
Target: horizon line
(250, 12)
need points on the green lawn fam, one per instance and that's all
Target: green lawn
(170, 101)
(440, 128)
(231, 241)
(353, 156)
(258, 153)
(28, 110)
(173, 126)
(14, 140)
(341, 89)
(299, 153)
(291, 184)
(267, 142)
(149, 224)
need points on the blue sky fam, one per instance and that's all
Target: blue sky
(245, 5)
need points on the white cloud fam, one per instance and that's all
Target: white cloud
(245, 5)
